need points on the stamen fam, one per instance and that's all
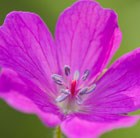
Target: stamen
(91, 88)
(58, 79)
(67, 70)
(76, 75)
(65, 91)
(79, 100)
(83, 91)
(86, 74)
(61, 98)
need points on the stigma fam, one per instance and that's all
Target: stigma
(69, 91)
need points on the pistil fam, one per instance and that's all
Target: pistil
(73, 88)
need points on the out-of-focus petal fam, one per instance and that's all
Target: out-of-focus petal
(118, 91)
(25, 105)
(87, 36)
(12, 91)
(77, 128)
(26, 46)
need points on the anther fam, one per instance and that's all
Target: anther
(86, 74)
(67, 70)
(91, 88)
(61, 98)
(76, 75)
(65, 91)
(83, 91)
(58, 79)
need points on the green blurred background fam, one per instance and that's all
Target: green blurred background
(17, 125)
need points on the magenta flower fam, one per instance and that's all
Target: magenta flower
(63, 81)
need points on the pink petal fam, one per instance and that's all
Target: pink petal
(11, 90)
(77, 128)
(87, 36)
(118, 91)
(26, 46)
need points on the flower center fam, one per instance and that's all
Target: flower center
(72, 90)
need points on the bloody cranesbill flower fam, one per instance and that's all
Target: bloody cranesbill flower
(63, 80)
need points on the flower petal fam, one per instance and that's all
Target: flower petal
(76, 128)
(117, 92)
(14, 92)
(87, 36)
(26, 46)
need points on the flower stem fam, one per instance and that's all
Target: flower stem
(58, 133)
